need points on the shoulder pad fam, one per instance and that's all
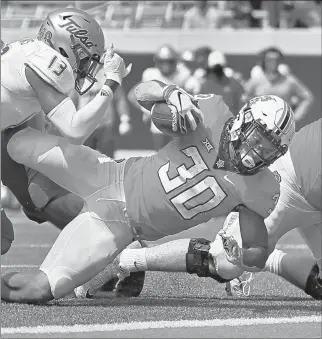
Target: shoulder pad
(262, 192)
(53, 68)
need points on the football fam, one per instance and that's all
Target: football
(162, 118)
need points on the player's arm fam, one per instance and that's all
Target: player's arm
(183, 107)
(254, 238)
(306, 98)
(241, 245)
(60, 109)
(147, 93)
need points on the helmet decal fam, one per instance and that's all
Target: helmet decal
(73, 28)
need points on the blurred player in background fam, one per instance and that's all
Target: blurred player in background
(169, 70)
(190, 181)
(37, 76)
(220, 80)
(187, 60)
(258, 70)
(201, 55)
(216, 71)
(116, 121)
(274, 78)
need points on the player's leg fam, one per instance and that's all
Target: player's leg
(7, 233)
(168, 257)
(129, 287)
(54, 203)
(82, 250)
(13, 175)
(78, 169)
(63, 209)
(301, 270)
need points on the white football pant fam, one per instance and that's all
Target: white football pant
(95, 237)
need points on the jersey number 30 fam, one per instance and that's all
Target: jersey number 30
(184, 173)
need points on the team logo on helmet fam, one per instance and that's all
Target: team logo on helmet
(82, 34)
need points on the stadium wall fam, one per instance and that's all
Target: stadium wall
(302, 49)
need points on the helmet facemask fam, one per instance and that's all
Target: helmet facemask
(86, 67)
(254, 147)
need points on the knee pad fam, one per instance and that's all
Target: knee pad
(314, 284)
(7, 233)
(200, 261)
(41, 189)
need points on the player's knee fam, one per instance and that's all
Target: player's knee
(7, 233)
(314, 283)
(17, 148)
(27, 288)
(62, 210)
(200, 261)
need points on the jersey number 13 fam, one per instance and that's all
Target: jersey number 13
(184, 173)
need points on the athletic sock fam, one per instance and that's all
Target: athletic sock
(134, 259)
(273, 263)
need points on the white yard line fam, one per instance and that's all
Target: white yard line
(158, 325)
(45, 245)
(18, 266)
(282, 246)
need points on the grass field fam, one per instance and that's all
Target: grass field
(170, 306)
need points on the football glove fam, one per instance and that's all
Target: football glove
(234, 253)
(114, 66)
(184, 108)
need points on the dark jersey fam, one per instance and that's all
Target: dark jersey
(186, 184)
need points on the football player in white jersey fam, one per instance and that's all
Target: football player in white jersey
(37, 76)
(299, 206)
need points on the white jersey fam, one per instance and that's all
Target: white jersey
(292, 209)
(19, 101)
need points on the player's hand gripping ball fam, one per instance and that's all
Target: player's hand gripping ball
(179, 115)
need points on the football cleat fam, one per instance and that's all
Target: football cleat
(130, 284)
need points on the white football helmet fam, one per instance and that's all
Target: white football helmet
(261, 133)
(79, 38)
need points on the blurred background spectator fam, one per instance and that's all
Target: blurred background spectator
(202, 15)
(274, 78)
(168, 69)
(290, 18)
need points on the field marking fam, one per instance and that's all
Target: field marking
(281, 246)
(19, 266)
(81, 328)
(45, 245)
